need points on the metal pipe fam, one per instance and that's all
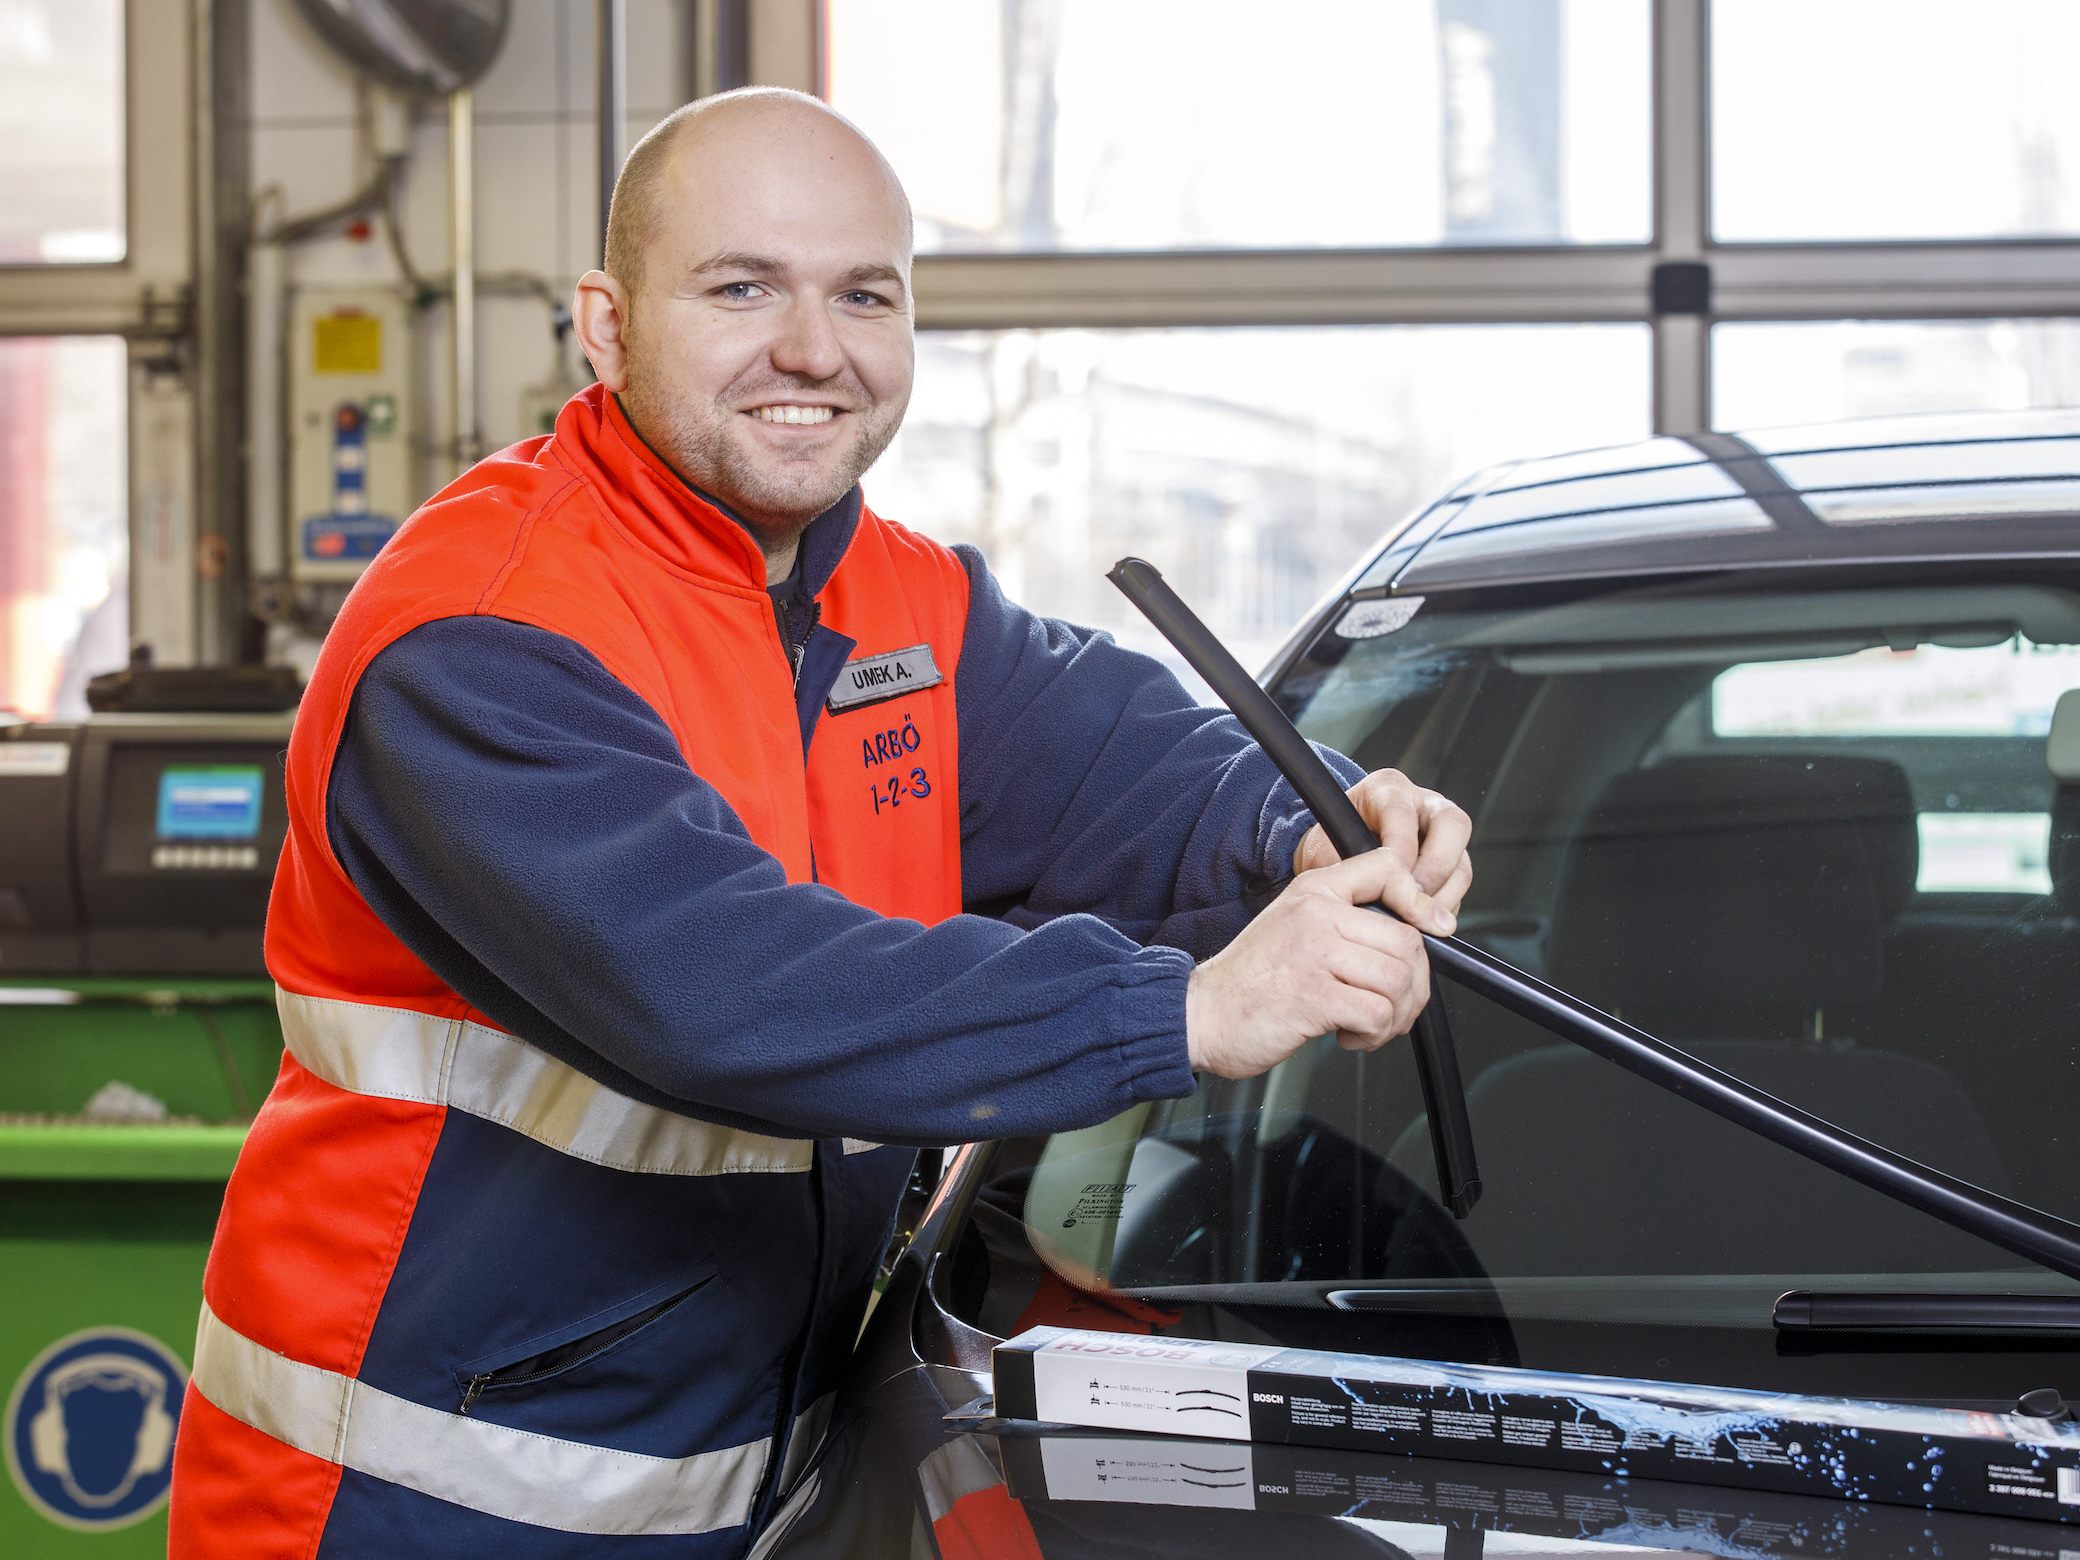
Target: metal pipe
(2042, 1237)
(610, 57)
(219, 73)
(462, 319)
(266, 426)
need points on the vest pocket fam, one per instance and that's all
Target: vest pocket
(551, 1358)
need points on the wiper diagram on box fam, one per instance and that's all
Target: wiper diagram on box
(2029, 1232)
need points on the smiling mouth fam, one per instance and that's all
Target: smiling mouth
(799, 416)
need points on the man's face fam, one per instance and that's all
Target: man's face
(769, 345)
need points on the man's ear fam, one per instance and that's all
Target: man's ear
(599, 314)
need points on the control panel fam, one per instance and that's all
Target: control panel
(349, 416)
(139, 844)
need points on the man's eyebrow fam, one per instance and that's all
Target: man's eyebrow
(739, 260)
(873, 271)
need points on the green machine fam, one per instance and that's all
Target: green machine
(137, 1037)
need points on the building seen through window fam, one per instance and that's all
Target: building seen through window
(61, 131)
(1253, 466)
(64, 538)
(1088, 125)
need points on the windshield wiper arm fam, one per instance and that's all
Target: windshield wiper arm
(1437, 1063)
(2044, 1238)
(1869, 1311)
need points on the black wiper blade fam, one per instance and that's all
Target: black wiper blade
(1437, 1063)
(2044, 1238)
(1887, 1311)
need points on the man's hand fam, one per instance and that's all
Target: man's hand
(1313, 961)
(1427, 835)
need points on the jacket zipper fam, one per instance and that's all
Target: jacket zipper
(795, 646)
(796, 643)
(567, 1356)
(797, 1356)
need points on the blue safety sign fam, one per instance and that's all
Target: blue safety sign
(89, 1431)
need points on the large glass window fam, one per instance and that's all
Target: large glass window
(61, 131)
(1943, 711)
(1207, 124)
(1817, 371)
(64, 544)
(1915, 119)
(1253, 466)
(1704, 806)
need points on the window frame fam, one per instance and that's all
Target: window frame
(172, 299)
(1962, 280)
(139, 294)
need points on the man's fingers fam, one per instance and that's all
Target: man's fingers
(1388, 803)
(1446, 829)
(1371, 971)
(1378, 875)
(1383, 934)
(1314, 851)
(1453, 894)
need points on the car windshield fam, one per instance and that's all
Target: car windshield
(1813, 831)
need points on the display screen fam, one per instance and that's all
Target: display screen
(217, 802)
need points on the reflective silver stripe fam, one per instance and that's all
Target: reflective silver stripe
(398, 1054)
(955, 1471)
(523, 1477)
(805, 1438)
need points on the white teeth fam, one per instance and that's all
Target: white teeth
(793, 414)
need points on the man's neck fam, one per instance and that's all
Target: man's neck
(780, 563)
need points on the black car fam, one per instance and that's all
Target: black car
(1772, 747)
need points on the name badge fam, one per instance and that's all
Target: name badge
(889, 675)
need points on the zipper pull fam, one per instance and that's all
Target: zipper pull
(476, 1385)
(800, 646)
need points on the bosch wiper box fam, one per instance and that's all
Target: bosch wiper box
(1948, 1459)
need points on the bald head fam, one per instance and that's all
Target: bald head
(754, 315)
(710, 139)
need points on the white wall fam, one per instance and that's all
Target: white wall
(537, 201)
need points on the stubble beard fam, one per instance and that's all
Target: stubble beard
(776, 498)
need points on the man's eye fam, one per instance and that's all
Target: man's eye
(738, 292)
(866, 300)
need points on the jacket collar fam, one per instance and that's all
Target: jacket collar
(669, 517)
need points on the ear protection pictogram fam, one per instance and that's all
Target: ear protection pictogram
(48, 1439)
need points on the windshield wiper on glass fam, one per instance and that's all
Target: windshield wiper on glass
(2042, 1237)
(1894, 1311)
(1437, 1062)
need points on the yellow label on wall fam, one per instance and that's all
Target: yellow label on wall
(347, 344)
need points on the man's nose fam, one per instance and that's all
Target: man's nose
(807, 343)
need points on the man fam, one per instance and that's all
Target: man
(633, 806)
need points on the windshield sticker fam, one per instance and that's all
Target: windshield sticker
(1375, 619)
(1099, 1200)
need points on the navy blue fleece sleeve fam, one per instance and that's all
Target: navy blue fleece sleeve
(529, 828)
(1092, 783)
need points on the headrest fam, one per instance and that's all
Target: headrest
(2065, 848)
(1729, 896)
(2062, 746)
(1878, 804)
(2062, 758)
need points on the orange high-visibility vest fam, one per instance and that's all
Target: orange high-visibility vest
(405, 1124)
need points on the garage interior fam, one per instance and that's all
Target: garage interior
(1232, 290)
